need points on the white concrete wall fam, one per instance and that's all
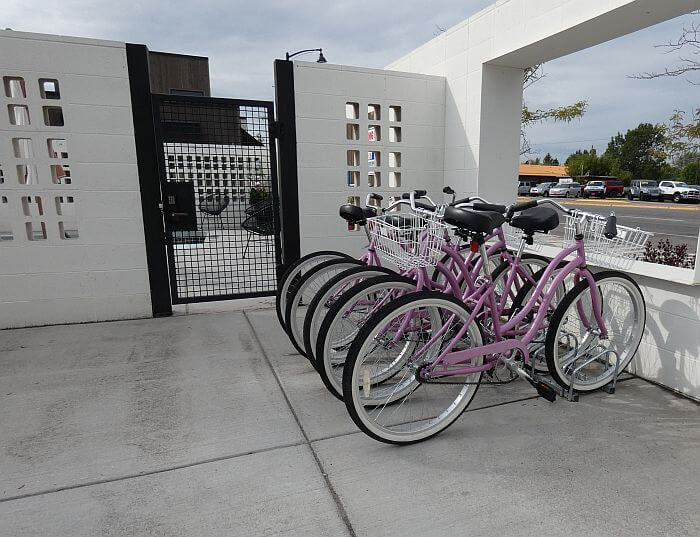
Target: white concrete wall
(482, 148)
(101, 274)
(321, 94)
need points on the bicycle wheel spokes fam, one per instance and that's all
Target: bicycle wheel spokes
(388, 381)
(579, 349)
(345, 320)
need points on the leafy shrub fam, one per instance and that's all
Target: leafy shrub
(665, 253)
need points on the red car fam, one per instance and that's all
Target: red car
(604, 188)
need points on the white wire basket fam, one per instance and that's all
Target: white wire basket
(408, 240)
(513, 235)
(618, 252)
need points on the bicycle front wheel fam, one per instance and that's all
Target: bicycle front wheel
(406, 336)
(294, 273)
(576, 351)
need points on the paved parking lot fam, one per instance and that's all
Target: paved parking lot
(679, 222)
(210, 424)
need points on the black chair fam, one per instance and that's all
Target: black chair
(212, 206)
(260, 222)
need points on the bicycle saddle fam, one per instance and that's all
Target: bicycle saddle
(356, 214)
(480, 222)
(542, 219)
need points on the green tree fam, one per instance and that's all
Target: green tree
(587, 162)
(691, 173)
(683, 138)
(548, 160)
(640, 151)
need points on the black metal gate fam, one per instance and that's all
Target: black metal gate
(218, 176)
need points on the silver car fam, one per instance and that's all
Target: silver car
(565, 190)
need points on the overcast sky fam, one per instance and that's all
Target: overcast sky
(242, 39)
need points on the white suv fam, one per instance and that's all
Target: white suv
(679, 191)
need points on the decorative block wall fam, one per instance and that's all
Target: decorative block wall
(360, 131)
(71, 232)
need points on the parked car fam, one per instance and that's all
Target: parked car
(524, 187)
(604, 188)
(541, 190)
(565, 190)
(644, 189)
(679, 191)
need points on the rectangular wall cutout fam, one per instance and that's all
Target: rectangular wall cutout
(394, 159)
(23, 147)
(353, 157)
(60, 174)
(48, 87)
(373, 112)
(53, 116)
(353, 179)
(58, 148)
(395, 113)
(352, 131)
(27, 174)
(68, 230)
(5, 226)
(374, 159)
(374, 133)
(394, 134)
(374, 179)
(19, 114)
(36, 231)
(32, 206)
(394, 179)
(14, 87)
(352, 111)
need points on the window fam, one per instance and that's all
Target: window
(394, 134)
(23, 147)
(394, 159)
(374, 179)
(374, 159)
(53, 116)
(48, 87)
(395, 113)
(394, 179)
(374, 133)
(353, 179)
(373, 112)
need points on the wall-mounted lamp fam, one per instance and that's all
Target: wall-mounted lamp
(321, 58)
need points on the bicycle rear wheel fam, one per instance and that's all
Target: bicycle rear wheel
(295, 271)
(574, 348)
(407, 335)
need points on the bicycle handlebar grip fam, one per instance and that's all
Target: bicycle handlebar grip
(419, 193)
(517, 207)
(377, 197)
(459, 202)
(405, 196)
(489, 207)
(611, 227)
(448, 190)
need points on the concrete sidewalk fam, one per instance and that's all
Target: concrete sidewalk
(210, 424)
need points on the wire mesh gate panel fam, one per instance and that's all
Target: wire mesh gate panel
(219, 186)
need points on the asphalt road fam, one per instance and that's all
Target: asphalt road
(678, 222)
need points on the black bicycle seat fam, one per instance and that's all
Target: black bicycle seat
(476, 221)
(542, 219)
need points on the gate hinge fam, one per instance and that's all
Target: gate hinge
(276, 130)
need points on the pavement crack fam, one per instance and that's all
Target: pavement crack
(342, 513)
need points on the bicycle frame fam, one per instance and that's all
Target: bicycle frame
(506, 347)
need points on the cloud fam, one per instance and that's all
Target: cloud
(243, 38)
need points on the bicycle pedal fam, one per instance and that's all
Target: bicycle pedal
(545, 391)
